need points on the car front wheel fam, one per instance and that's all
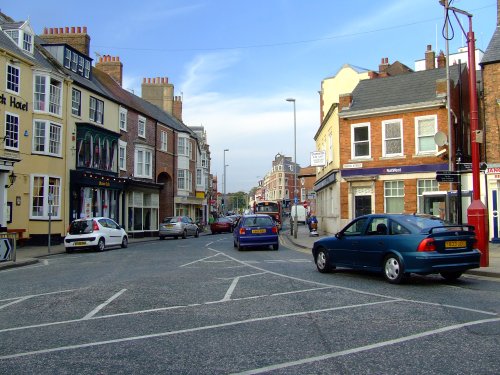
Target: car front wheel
(124, 242)
(184, 234)
(393, 269)
(323, 261)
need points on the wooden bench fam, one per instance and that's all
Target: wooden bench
(19, 235)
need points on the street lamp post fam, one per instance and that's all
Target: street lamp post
(476, 212)
(294, 229)
(224, 182)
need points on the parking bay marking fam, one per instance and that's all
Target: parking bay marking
(103, 305)
(267, 318)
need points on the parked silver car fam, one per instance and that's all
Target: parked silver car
(178, 226)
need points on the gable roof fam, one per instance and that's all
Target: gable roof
(398, 91)
(492, 53)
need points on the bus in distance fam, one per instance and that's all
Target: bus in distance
(270, 208)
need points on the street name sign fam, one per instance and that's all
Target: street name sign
(447, 176)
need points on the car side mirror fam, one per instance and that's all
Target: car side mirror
(339, 235)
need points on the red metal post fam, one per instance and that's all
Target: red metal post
(476, 213)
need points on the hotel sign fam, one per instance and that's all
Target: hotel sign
(14, 103)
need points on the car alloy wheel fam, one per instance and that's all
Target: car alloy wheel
(322, 261)
(393, 269)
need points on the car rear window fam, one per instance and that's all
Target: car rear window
(258, 222)
(170, 220)
(81, 227)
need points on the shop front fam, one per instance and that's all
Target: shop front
(95, 194)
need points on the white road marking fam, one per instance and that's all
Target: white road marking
(103, 305)
(365, 347)
(40, 294)
(199, 260)
(230, 291)
(188, 330)
(14, 302)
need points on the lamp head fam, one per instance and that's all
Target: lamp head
(290, 100)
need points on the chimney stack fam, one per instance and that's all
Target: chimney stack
(384, 64)
(112, 66)
(430, 58)
(76, 38)
(159, 92)
(441, 60)
(345, 101)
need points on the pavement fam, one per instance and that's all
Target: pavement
(29, 255)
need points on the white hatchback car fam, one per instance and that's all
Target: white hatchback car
(97, 232)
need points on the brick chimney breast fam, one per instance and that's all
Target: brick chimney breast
(430, 58)
(67, 35)
(441, 60)
(112, 66)
(345, 101)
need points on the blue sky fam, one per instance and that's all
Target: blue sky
(235, 62)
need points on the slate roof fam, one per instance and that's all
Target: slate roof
(130, 100)
(397, 91)
(492, 53)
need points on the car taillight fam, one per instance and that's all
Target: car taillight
(275, 229)
(427, 244)
(95, 227)
(242, 231)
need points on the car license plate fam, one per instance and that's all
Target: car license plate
(169, 225)
(80, 243)
(453, 244)
(258, 231)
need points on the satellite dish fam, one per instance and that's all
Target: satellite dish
(440, 139)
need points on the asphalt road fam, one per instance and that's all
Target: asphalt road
(198, 306)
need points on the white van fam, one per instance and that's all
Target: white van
(301, 214)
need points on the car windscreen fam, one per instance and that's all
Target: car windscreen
(258, 222)
(81, 227)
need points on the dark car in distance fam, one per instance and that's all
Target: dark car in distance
(398, 245)
(256, 231)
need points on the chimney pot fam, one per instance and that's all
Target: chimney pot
(66, 30)
(79, 30)
(149, 80)
(72, 29)
(45, 30)
(85, 29)
(144, 80)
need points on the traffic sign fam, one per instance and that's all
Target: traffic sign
(447, 176)
(5, 249)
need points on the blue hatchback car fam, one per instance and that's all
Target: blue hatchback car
(398, 245)
(256, 230)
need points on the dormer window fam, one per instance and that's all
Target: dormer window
(21, 35)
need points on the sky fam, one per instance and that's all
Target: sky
(236, 62)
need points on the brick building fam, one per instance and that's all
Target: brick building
(490, 65)
(389, 158)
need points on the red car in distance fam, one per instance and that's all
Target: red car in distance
(221, 224)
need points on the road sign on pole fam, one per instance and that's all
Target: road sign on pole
(447, 176)
(5, 249)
